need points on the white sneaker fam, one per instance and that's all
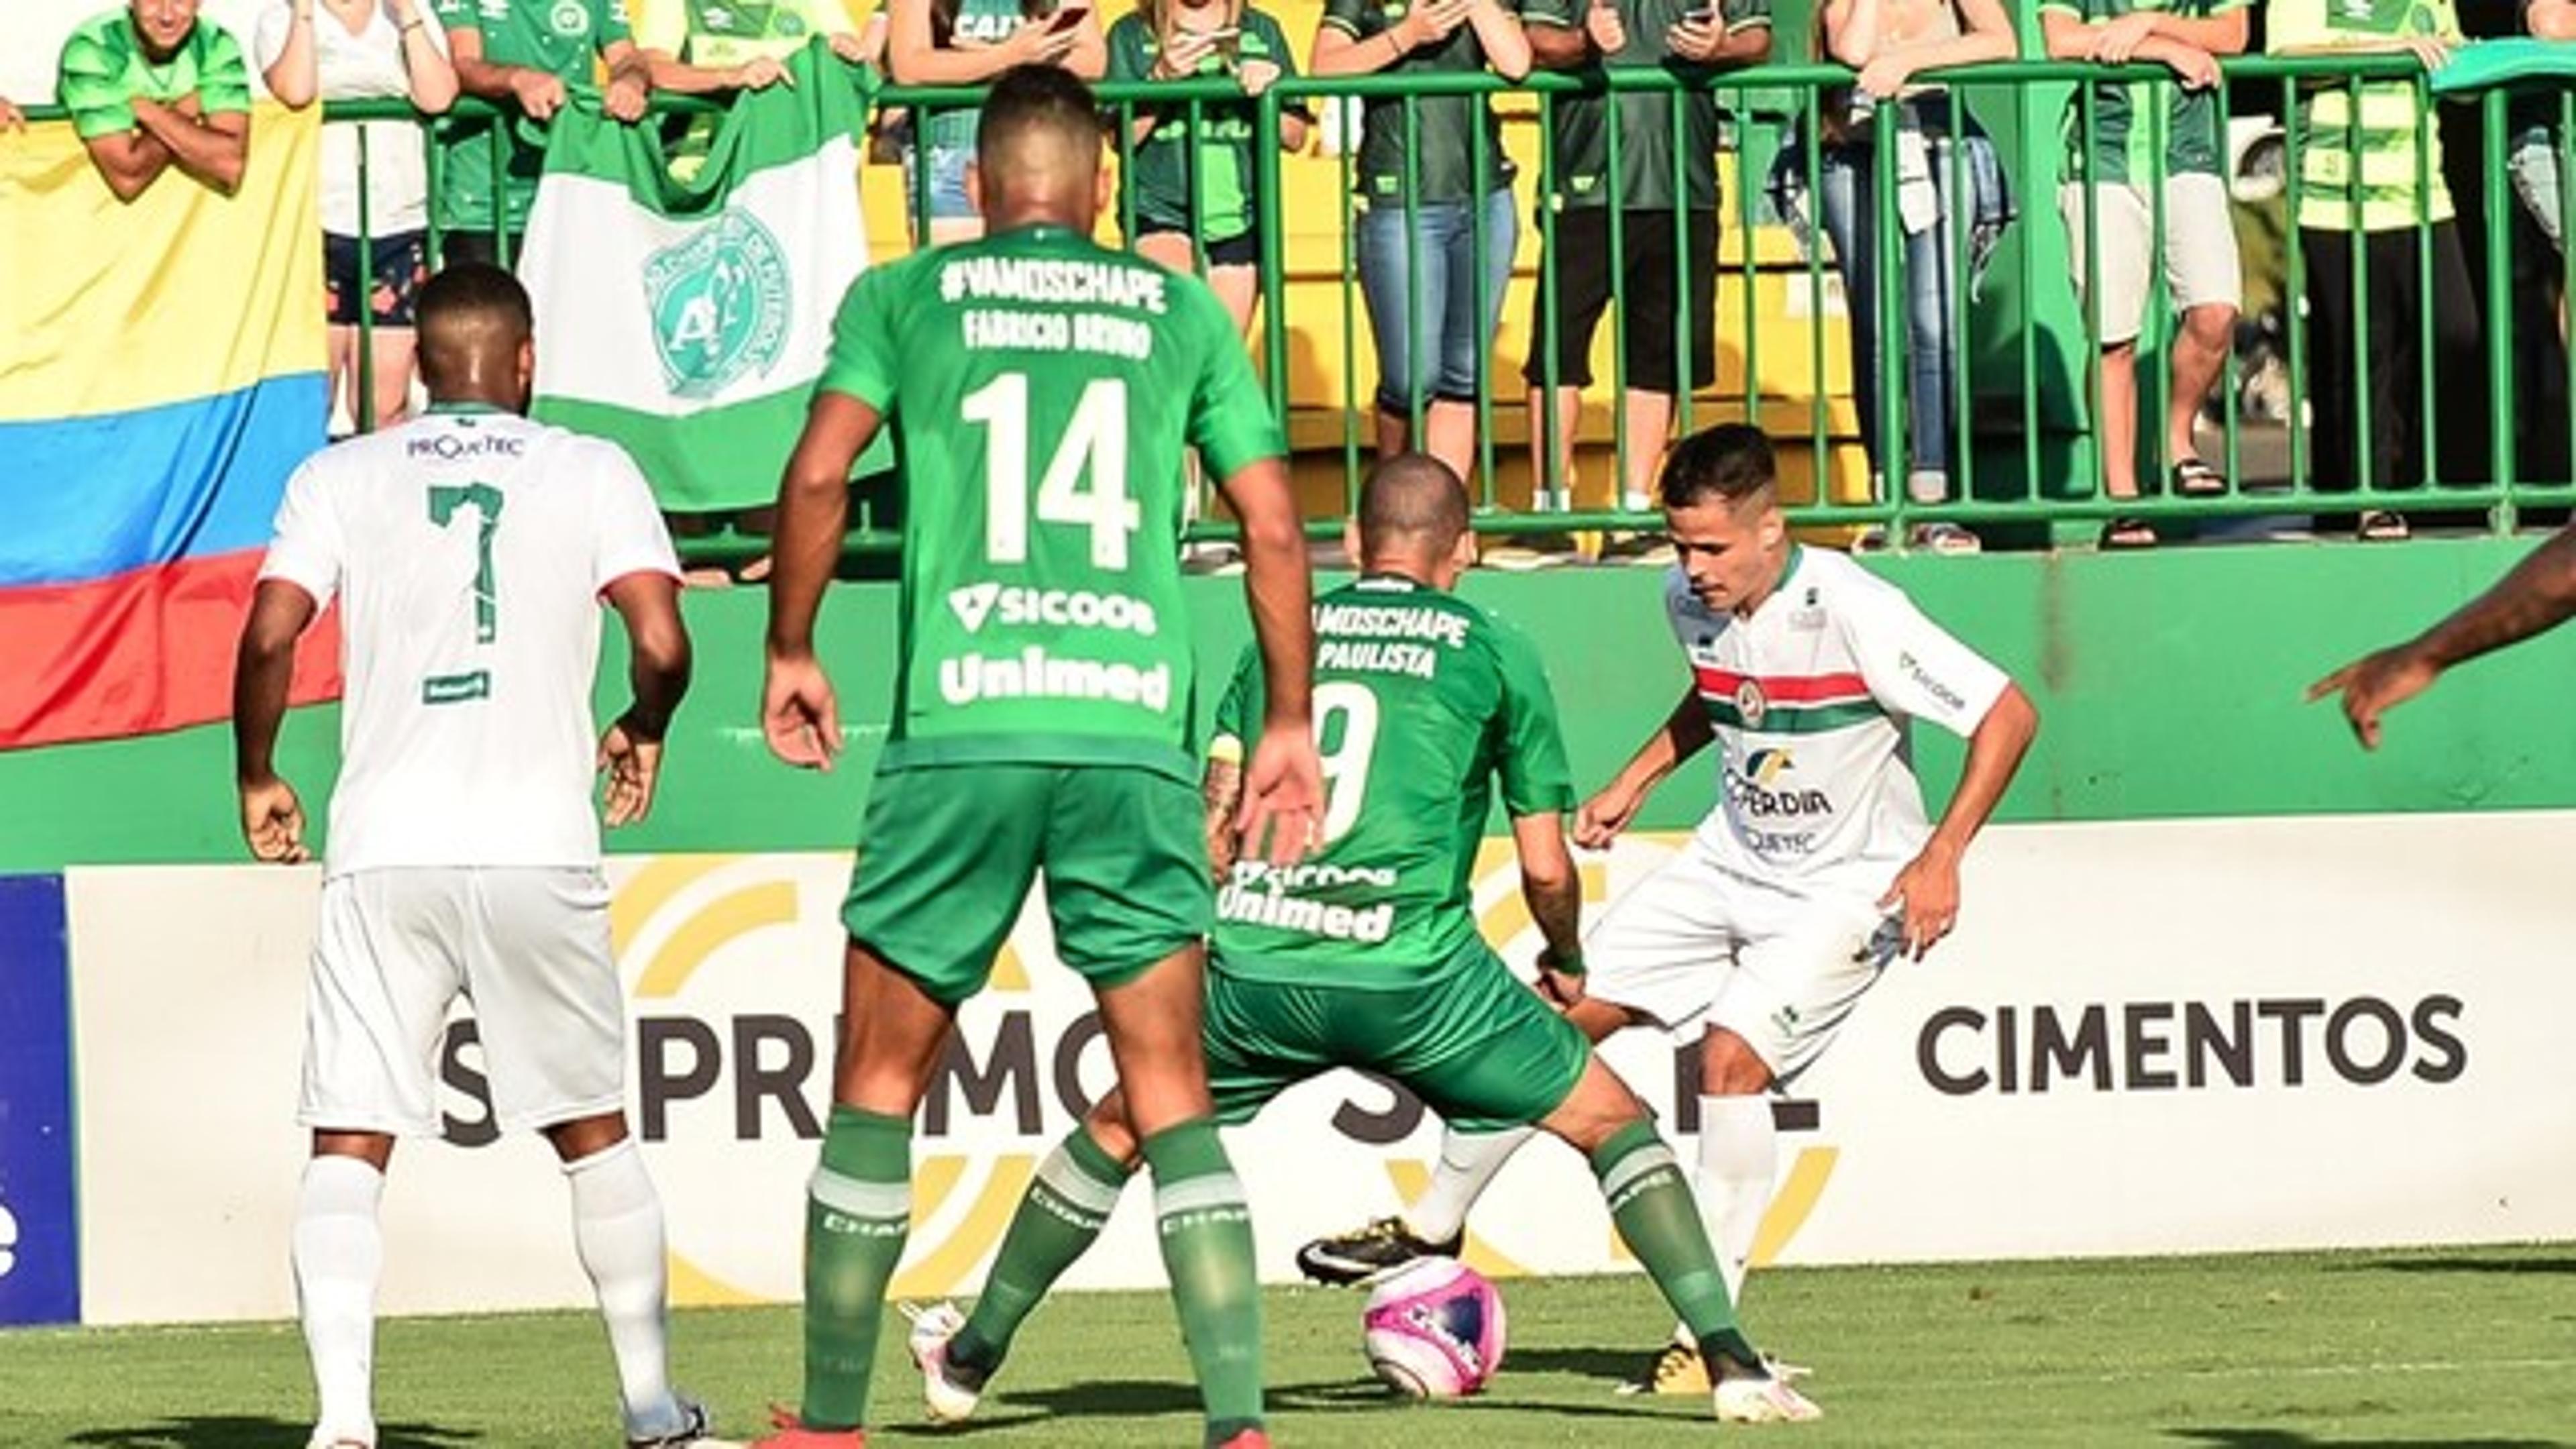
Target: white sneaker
(1763, 1401)
(948, 1398)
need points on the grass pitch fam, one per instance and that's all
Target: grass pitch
(2471, 1347)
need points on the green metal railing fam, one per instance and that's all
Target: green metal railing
(2036, 470)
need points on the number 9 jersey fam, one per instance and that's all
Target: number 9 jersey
(1043, 393)
(468, 550)
(1423, 702)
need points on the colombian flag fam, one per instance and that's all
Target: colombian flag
(161, 372)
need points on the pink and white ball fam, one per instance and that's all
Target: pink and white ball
(1433, 1329)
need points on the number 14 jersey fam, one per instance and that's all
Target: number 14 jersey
(468, 550)
(1043, 393)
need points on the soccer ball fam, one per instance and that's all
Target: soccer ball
(1433, 1329)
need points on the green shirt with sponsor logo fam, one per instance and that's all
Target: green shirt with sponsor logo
(1424, 704)
(1158, 183)
(2385, 195)
(721, 34)
(558, 37)
(1644, 119)
(103, 68)
(1042, 391)
(1446, 126)
(987, 22)
(2123, 145)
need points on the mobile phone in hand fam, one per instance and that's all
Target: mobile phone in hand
(1066, 18)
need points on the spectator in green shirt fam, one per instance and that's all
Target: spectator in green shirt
(149, 88)
(2118, 190)
(1663, 238)
(519, 54)
(2367, 213)
(1433, 259)
(717, 47)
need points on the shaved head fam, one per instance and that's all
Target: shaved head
(1038, 148)
(474, 324)
(1412, 510)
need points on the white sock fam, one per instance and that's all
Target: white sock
(617, 1228)
(1468, 1161)
(1739, 1156)
(339, 1253)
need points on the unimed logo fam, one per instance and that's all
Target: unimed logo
(2160, 1046)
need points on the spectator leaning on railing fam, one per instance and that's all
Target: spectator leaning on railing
(1431, 328)
(2371, 208)
(967, 43)
(148, 88)
(2198, 245)
(1888, 41)
(2535, 146)
(519, 54)
(716, 47)
(342, 50)
(1663, 238)
(11, 119)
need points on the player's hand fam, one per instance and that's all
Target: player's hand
(760, 73)
(1600, 819)
(1561, 987)
(2197, 68)
(1603, 27)
(1928, 888)
(2375, 684)
(1886, 76)
(539, 95)
(1283, 796)
(2119, 39)
(798, 714)
(273, 821)
(624, 100)
(633, 765)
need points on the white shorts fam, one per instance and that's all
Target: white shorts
(1696, 941)
(528, 947)
(2200, 260)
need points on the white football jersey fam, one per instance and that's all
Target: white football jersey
(468, 550)
(1811, 698)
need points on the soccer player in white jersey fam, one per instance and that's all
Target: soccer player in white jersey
(1817, 867)
(469, 550)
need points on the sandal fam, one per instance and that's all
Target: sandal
(2129, 533)
(2193, 478)
(2380, 525)
(1946, 538)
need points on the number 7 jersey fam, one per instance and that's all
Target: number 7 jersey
(468, 550)
(1043, 393)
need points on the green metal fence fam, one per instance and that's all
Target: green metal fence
(2013, 465)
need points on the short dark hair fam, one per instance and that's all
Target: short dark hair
(1036, 98)
(1731, 461)
(466, 306)
(1413, 496)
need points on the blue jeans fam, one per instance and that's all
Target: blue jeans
(1930, 260)
(947, 182)
(1444, 310)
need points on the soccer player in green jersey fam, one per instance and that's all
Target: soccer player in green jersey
(1041, 390)
(1369, 956)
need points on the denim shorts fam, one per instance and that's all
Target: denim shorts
(947, 182)
(1452, 321)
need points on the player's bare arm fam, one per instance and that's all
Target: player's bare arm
(1684, 733)
(1928, 887)
(798, 714)
(657, 669)
(263, 667)
(1554, 894)
(213, 149)
(2538, 596)
(1283, 783)
(1221, 792)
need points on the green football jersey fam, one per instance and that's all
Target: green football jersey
(1158, 184)
(2125, 127)
(103, 68)
(1423, 702)
(1644, 118)
(1041, 391)
(558, 37)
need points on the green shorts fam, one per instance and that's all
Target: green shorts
(1476, 1045)
(948, 853)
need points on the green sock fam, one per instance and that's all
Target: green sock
(1651, 1205)
(857, 1210)
(1206, 1233)
(1059, 1218)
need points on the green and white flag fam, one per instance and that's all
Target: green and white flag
(688, 320)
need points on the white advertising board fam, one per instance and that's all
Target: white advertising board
(2146, 1037)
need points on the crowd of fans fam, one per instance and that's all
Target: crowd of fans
(1435, 224)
